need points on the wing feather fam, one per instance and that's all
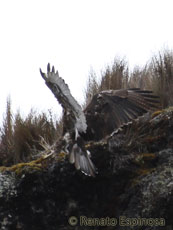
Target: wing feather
(81, 159)
(74, 120)
(61, 91)
(111, 109)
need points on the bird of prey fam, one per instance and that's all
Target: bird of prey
(107, 111)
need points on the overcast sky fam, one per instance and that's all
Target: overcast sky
(74, 35)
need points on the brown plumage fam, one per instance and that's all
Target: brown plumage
(111, 109)
(107, 111)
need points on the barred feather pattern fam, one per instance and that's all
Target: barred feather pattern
(61, 91)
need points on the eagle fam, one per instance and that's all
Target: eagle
(108, 111)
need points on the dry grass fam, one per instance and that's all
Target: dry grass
(114, 76)
(156, 75)
(20, 137)
(162, 76)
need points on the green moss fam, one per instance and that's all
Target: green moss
(3, 168)
(61, 156)
(148, 156)
(93, 144)
(144, 171)
(38, 164)
(143, 158)
(18, 168)
(141, 172)
(156, 113)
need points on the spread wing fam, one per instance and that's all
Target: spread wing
(74, 122)
(112, 109)
(62, 93)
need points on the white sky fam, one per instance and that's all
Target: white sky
(74, 35)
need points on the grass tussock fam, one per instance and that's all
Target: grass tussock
(156, 75)
(114, 76)
(21, 137)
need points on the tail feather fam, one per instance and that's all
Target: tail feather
(81, 159)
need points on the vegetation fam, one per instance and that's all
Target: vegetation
(20, 138)
(156, 75)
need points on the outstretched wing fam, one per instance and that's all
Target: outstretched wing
(74, 122)
(111, 109)
(63, 95)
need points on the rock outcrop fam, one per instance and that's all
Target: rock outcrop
(132, 190)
